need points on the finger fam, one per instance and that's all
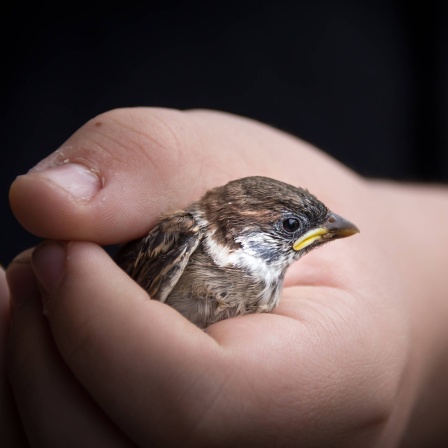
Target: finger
(54, 408)
(162, 380)
(147, 366)
(115, 175)
(10, 427)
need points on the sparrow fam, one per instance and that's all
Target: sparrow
(227, 254)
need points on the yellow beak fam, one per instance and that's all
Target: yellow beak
(333, 228)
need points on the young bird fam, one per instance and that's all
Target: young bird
(227, 253)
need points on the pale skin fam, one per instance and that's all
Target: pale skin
(356, 354)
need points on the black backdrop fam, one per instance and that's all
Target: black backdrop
(366, 80)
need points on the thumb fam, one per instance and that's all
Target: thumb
(111, 179)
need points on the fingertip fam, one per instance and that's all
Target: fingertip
(48, 262)
(43, 208)
(3, 291)
(20, 278)
(4, 310)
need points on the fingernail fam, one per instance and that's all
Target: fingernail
(49, 263)
(81, 182)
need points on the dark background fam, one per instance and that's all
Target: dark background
(364, 80)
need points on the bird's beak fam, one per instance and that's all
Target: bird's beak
(334, 227)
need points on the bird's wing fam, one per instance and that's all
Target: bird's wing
(157, 261)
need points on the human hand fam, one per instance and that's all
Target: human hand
(339, 362)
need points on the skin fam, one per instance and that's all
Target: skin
(355, 355)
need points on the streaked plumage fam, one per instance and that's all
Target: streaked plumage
(227, 253)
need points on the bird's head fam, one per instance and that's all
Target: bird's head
(270, 220)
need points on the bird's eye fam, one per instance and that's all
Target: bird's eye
(291, 224)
